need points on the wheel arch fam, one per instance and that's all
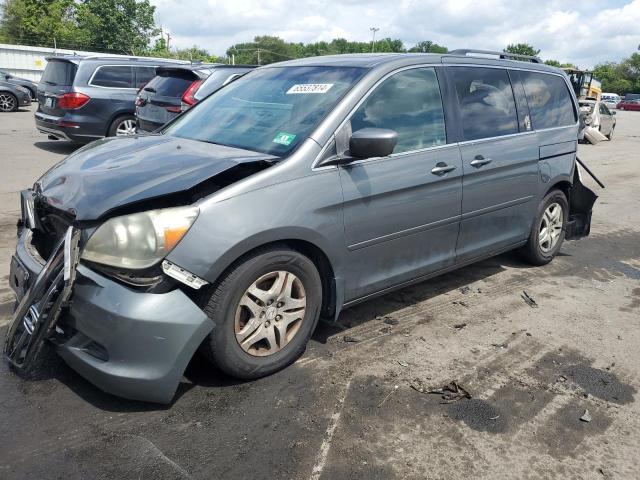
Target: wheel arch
(319, 258)
(115, 116)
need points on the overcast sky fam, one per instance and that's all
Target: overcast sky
(584, 32)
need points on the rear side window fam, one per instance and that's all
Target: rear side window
(486, 102)
(170, 84)
(113, 76)
(409, 103)
(549, 100)
(59, 73)
(143, 75)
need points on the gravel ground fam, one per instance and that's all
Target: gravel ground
(357, 410)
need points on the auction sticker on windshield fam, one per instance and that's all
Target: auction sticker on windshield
(309, 88)
(284, 138)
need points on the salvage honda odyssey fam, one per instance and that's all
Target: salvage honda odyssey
(298, 190)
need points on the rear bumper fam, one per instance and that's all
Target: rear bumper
(147, 126)
(131, 344)
(69, 127)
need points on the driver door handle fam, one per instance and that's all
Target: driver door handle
(441, 168)
(479, 161)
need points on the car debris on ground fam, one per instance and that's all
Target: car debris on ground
(529, 299)
(351, 339)
(586, 416)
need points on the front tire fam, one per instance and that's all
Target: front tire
(547, 233)
(8, 102)
(264, 311)
(610, 136)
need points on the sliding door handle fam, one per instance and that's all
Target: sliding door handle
(479, 161)
(441, 168)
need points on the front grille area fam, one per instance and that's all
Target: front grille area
(50, 228)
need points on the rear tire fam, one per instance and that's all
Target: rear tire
(124, 125)
(240, 344)
(610, 136)
(548, 230)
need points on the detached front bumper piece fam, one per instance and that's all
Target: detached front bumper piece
(129, 343)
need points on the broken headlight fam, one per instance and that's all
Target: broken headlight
(139, 240)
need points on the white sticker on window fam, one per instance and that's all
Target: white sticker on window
(310, 88)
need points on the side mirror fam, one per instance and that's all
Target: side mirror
(372, 142)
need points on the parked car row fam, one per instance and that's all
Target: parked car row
(85, 98)
(177, 88)
(629, 104)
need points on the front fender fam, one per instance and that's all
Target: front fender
(307, 209)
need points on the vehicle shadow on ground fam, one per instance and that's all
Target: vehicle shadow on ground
(63, 147)
(390, 303)
(201, 373)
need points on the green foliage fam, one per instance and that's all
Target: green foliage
(522, 49)
(621, 78)
(123, 26)
(28, 21)
(118, 26)
(556, 63)
(428, 47)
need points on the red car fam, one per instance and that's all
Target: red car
(629, 104)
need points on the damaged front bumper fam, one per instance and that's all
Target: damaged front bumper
(127, 342)
(581, 201)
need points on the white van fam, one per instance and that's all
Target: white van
(611, 100)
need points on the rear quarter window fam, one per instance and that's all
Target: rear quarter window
(59, 73)
(113, 76)
(486, 102)
(143, 75)
(549, 99)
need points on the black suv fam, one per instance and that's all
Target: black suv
(84, 98)
(159, 100)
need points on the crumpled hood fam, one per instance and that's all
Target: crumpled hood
(114, 172)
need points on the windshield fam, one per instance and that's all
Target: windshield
(268, 110)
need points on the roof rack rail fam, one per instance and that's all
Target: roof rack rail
(502, 55)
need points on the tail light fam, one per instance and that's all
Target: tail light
(72, 101)
(190, 92)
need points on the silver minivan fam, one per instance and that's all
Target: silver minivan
(296, 191)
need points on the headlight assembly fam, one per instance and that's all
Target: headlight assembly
(139, 240)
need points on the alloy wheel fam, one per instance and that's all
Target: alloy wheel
(126, 127)
(550, 227)
(7, 102)
(270, 313)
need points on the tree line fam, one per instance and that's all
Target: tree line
(128, 27)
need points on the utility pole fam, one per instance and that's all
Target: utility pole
(373, 41)
(168, 40)
(259, 57)
(233, 59)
